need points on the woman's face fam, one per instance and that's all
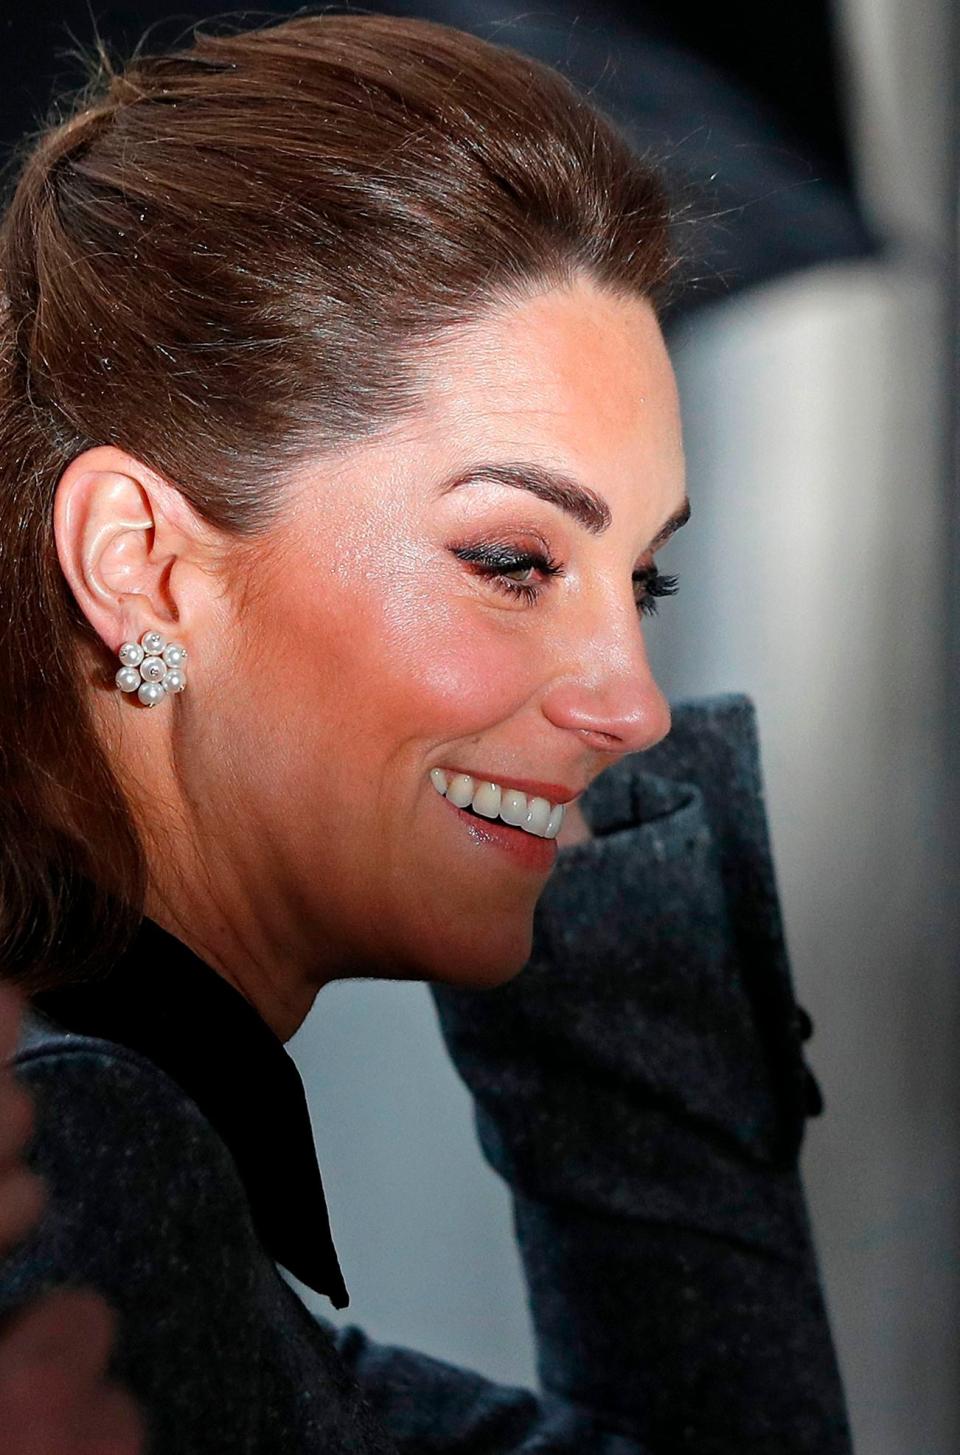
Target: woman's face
(402, 623)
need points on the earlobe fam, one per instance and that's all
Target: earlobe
(105, 523)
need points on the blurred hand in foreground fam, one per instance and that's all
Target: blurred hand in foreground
(54, 1396)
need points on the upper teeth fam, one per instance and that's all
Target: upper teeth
(535, 815)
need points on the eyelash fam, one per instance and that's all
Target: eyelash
(495, 563)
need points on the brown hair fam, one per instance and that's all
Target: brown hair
(225, 259)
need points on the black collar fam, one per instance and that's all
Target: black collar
(164, 1002)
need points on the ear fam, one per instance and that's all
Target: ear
(131, 548)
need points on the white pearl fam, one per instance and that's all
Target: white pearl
(131, 654)
(152, 669)
(174, 654)
(153, 643)
(128, 679)
(174, 680)
(150, 693)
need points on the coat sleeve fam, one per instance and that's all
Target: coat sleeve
(145, 1206)
(641, 1087)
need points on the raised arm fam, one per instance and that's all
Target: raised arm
(641, 1087)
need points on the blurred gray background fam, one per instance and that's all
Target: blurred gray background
(817, 576)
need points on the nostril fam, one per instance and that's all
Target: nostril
(606, 742)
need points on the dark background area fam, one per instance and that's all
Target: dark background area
(783, 54)
(742, 105)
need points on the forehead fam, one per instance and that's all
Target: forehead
(574, 379)
(578, 370)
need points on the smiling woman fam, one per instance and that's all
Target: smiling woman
(262, 493)
(337, 441)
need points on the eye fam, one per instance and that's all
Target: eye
(512, 572)
(648, 585)
(509, 570)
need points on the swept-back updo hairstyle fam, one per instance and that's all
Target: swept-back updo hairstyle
(226, 260)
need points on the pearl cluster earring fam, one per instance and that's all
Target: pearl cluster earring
(152, 667)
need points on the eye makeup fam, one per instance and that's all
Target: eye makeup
(503, 564)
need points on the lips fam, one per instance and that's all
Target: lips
(529, 852)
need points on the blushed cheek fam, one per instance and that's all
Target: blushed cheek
(460, 677)
(370, 660)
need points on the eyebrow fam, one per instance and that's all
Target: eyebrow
(553, 486)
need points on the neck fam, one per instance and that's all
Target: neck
(208, 882)
(264, 979)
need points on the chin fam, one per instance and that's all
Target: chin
(483, 976)
(472, 964)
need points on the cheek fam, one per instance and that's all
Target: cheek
(454, 669)
(367, 664)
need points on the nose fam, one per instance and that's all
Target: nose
(607, 693)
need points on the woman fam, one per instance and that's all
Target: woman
(339, 441)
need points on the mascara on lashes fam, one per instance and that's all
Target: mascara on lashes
(495, 562)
